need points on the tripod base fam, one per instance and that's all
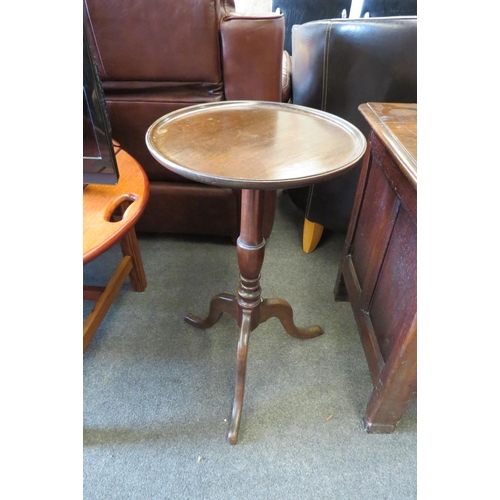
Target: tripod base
(248, 320)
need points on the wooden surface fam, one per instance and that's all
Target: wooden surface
(109, 215)
(101, 201)
(251, 144)
(396, 126)
(378, 269)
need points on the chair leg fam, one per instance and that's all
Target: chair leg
(311, 235)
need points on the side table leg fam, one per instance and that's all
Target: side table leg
(248, 308)
(281, 309)
(250, 250)
(241, 366)
(220, 303)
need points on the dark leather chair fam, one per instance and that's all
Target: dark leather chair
(389, 8)
(304, 11)
(337, 65)
(156, 56)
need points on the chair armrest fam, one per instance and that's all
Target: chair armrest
(252, 56)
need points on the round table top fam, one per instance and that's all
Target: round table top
(255, 144)
(100, 232)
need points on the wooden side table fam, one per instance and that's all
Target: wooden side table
(253, 146)
(109, 215)
(378, 270)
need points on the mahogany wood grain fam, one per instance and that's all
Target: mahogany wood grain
(395, 125)
(247, 307)
(378, 268)
(109, 215)
(253, 146)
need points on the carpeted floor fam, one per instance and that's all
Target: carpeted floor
(158, 393)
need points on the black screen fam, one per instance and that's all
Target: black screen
(99, 162)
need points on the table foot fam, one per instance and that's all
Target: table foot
(241, 365)
(220, 303)
(281, 309)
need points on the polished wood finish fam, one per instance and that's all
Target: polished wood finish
(253, 146)
(395, 124)
(378, 269)
(109, 215)
(101, 202)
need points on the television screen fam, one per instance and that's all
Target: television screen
(99, 162)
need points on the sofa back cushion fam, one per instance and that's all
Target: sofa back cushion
(157, 40)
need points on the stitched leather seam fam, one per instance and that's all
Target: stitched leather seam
(309, 201)
(324, 95)
(325, 68)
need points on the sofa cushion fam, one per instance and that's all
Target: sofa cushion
(180, 41)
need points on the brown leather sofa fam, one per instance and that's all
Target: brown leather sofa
(337, 65)
(156, 56)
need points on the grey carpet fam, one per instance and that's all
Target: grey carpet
(158, 392)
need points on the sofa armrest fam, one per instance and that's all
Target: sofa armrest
(252, 56)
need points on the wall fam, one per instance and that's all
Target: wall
(249, 6)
